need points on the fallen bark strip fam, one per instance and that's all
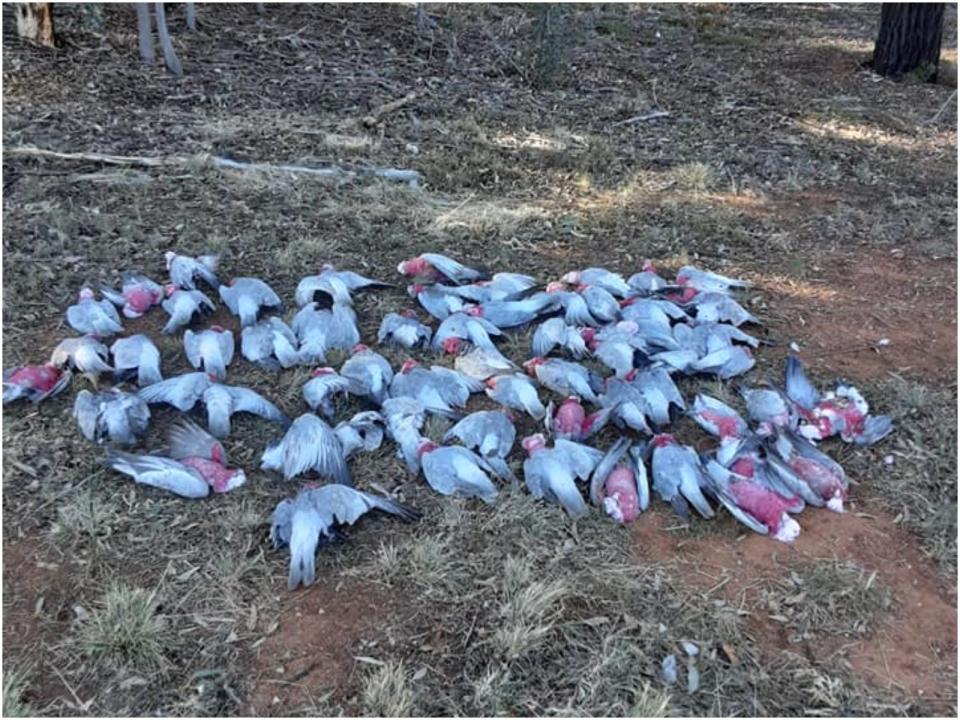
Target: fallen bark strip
(410, 177)
(374, 117)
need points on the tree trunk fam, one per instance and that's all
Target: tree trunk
(35, 22)
(909, 39)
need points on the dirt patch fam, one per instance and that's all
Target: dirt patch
(313, 650)
(875, 313)
(914, 648)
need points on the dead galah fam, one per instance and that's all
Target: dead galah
(137, 294)
(843, 411)
(187, 479)
(555, 332)
(404, 329)
(308, 445)
(517, 392)
(312, 518)
(565, 378)
(790, 453)
(719, 307)
(514, 313)
(627, 404)
(86, 355)
(572, 422)
(600, 277)
(660, 394)
(717, 418)
(756, 506)
(438, 389)
(223, 401)
(432, 267)
(270, 344)
(647, 281)
(574, 306)
(678, 476)
(502, 286)
(704, 281)
(603, 306)
(454, 470)
(491, 433)
(436, 300)
(768, 405)
(136, 357)
(364, 431)
(332, 285)
(622, 351)
(209, 350)
(324, 385)
(320, 330)
(181, 391)
(725, 362)
(34, 382)
(247, 296)
(619, 483)
(460, 328)
(182, 305)
(371, 373)
(552, 473)
(93, 317)
(404, 418)
(654, 320)
(191, 445)
(111, 416)
(185, 270)
(482, 363)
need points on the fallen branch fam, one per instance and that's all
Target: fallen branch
(943, 107)
(652, 115)
(410, 177)
(387, 108)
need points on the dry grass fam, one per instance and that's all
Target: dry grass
(14, 688)
(387, 692)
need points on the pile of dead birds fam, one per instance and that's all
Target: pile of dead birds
(643, 331)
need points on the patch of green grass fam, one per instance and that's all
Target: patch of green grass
(828, 598)
(86, 515)
(125, 630)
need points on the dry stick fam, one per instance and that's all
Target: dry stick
(410, 177)
(942, 108)
(387, 108)
(652, 115)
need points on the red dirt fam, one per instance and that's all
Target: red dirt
(319, 636)
(870, 297)
(916, 639)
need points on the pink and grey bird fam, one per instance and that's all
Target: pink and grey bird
(619, 483)
(86, 355)
(185, 270)
(183, 305)
(552, 473)
(324, 385)
(309, 445)
(188, 478)
(34, 382)
(678, 476)
(704, 281)
(459, 329)
(517, 392)
(136, 357)
(432, 268)
(247, 297)
(209, 350)
(491, 433)
(270, 344)
(404, 418)
(483, 363)
(438, 389)
(791, 454)
(224, 401)
(572, 422)
(112, 416)
(370, 372)
(564, 378)
(93, 317)
(514, 313)
(613, 283)
(404, 330)
(311, 519)
(554, 333)
(436, 300)
(454, 470)
(137, 294)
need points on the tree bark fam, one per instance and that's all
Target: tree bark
(909, 39)
(35, 22)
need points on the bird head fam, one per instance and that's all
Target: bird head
(235, 478)
(571, 278)
(491, 382)
(169, 257)
(408, 313)
(581, 287)
(627, 302)
(359, 348)
(217, 328)
(426, 446)
(662, 440)
(86, 293)
(555, 286)
(788, 530)
(631, 375)
(414, 290)
(474, 311)
(212, 378)
(648, 266)
(452, 345)
(533, 443)
(408, 365)
(532, 364)
(321, 371)
(413, 268)
(170, 288)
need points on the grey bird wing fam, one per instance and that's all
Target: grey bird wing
(312, 445)
(799, 387)
(452, 269)
(187, 439)
(246, 400)
(159, 472)
(86, 411)
(605, 467)
(181, 391)
(582, 459)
